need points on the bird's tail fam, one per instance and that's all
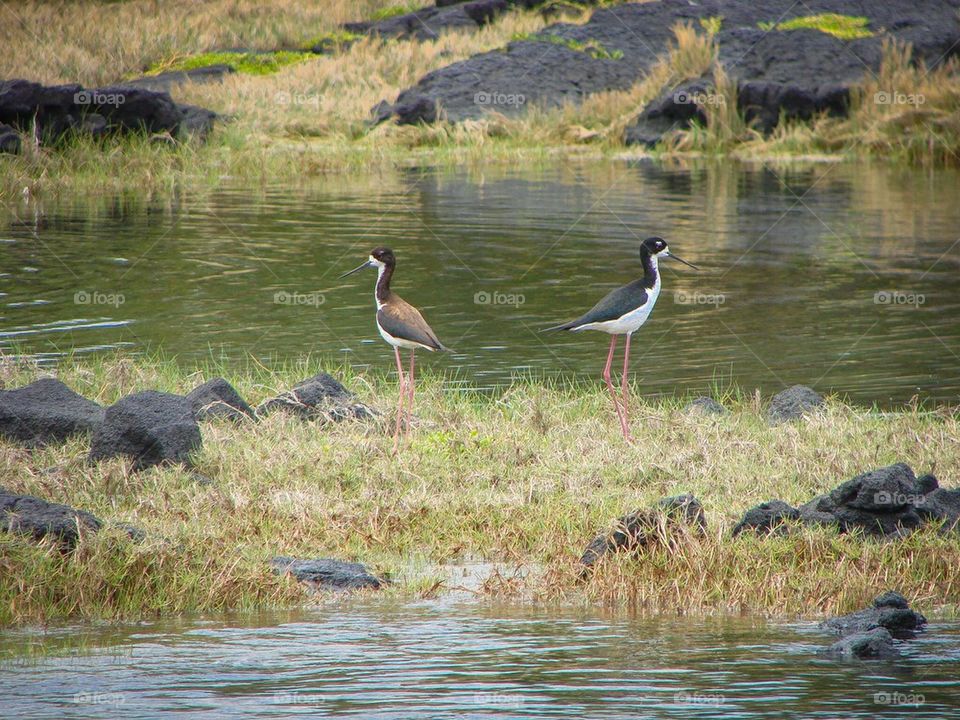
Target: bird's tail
(561, 326)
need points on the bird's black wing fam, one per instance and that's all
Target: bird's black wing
(614, 305)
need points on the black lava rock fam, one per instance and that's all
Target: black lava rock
(46, 411)
(767, 517)
(165, 81)
(321, 396)
(796, 73)
(217, 398)
(940, 505)
(676, 108)
(876, 644)
(328, 574)
(9, 140)
(879, 502)
(150, 427)
(60, 109)
(431, 21)
(638, 529)
(793, 403)
(705, 406)
(29, 515)
(889, 501)
(197, 122)
(889, 611)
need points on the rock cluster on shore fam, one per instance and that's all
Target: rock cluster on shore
(644, 527)
(155, 428)
(328, 574)
(39, 519)
(149, 428)
(51, 112)
(889, 501)
(778, 72)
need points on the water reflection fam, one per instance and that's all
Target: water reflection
(447, 659)
(837, 275)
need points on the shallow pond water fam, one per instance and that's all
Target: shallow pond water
(841, 276)
(452, 659)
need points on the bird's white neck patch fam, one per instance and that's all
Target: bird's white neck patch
(381, 267)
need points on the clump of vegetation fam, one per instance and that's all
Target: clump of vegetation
(712, 24)
(390, 11)
(524, 477)
(845, 27)
(251, 63)
(335, 39)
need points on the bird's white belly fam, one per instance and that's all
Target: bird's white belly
(397, 342)
(631, 321)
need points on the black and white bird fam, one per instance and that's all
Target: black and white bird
(401, 325)
(622, 312)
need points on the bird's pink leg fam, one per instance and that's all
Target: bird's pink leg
(623, 379)
(613, 393)
(410, 387)
(396, 432)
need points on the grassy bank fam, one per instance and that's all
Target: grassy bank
(524, 478)
(311, 117)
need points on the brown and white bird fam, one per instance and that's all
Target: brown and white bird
(401, 325)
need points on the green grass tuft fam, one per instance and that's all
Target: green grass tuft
(394, 10)
(845, 27)
(251, 63)
(335, 38)
(712, 24)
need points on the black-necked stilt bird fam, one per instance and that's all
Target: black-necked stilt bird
(622, 312)
(400, 324)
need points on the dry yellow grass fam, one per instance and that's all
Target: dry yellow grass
(525, 478)
(99, 42)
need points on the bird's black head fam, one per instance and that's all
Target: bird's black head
(383, 255)
(655, 246)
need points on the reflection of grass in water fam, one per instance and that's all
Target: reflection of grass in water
(527, 476)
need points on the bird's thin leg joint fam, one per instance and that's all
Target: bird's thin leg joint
(396, 432)
(624, 382)
(411, 384)
(613, 392)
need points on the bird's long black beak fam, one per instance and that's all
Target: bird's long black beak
(671, 255)
(356, 269)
